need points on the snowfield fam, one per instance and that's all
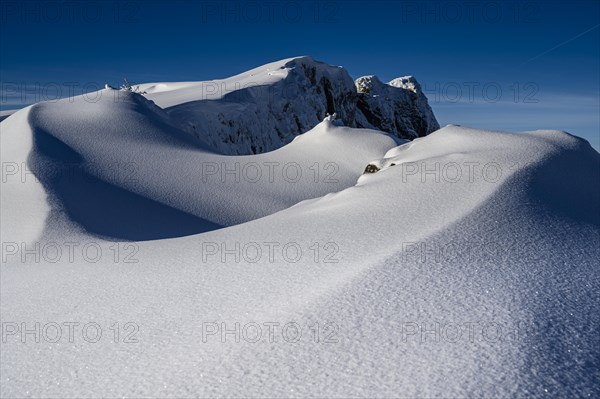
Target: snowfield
(140, 261)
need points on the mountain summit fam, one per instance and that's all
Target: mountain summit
(265, 108)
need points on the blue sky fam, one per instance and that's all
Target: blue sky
(493, 64)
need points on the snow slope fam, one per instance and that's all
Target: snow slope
(6, 113)
(19, 188)
(463, 227)
(129, 161)
(264, 108)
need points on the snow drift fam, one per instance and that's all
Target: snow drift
(464, 264)
(130, 173)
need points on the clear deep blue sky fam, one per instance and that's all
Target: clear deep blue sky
(494, 64)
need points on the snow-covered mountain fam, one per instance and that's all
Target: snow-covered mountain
(138, 261)
(265, 108)
(398, 107)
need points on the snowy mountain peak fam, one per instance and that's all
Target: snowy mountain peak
(406, 82)
(368, 84)
(399, 107)
(302, 59)
(264, 108)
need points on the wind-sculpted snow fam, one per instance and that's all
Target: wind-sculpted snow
(265, 108)
(16, 142)
(465, 265)
(118, 167)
